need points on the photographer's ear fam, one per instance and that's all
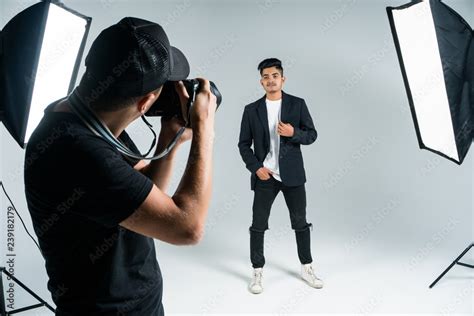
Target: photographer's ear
(145, 103)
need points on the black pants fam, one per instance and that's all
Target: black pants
(295, 197)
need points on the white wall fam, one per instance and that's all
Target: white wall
(339, 56)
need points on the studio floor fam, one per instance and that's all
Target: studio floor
(358, 280)
(361, 278)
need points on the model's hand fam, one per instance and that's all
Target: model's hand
(285, 129)
(264, 173)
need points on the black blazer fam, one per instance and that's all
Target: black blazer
(254, 129)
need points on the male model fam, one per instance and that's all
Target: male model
(276, 125)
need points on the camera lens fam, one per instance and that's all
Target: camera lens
(168, 103)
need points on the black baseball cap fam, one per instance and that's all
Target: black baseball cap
(132, 58)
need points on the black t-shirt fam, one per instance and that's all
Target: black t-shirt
(78, 189)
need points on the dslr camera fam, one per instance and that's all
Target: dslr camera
(169, 105)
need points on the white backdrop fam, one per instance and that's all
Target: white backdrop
(373, 196)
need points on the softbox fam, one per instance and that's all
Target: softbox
(40, 54)
(435, 48)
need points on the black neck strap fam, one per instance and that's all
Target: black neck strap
(95, 125)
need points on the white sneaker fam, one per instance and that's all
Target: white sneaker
(307, 274)
(255, 286)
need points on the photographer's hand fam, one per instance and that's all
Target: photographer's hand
(171, 125)
(193, 194)
(160, 171)
(181, 218)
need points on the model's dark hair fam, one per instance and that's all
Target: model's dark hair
(270, 62)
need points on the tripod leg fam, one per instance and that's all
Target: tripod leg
(27, 289)
(452, 264)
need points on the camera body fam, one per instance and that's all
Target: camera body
(168, 103)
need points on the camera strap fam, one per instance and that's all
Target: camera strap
(96, 126)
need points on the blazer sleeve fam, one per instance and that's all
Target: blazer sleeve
(306, 133)
(245, 143)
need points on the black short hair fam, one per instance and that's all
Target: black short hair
(270, 62)
(105, 100)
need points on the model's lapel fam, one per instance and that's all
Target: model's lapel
(263, 116)
(285, 107)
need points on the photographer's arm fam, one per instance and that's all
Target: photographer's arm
(180, 219)
(160, 171)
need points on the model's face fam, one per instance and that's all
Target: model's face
(272, 80)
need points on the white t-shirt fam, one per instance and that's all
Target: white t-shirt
(271, 161)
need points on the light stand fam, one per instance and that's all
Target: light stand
(435, 48)
(3, 271)
(456, 261)
(40, 53)
(3, 311)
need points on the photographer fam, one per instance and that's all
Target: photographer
(96, 211)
